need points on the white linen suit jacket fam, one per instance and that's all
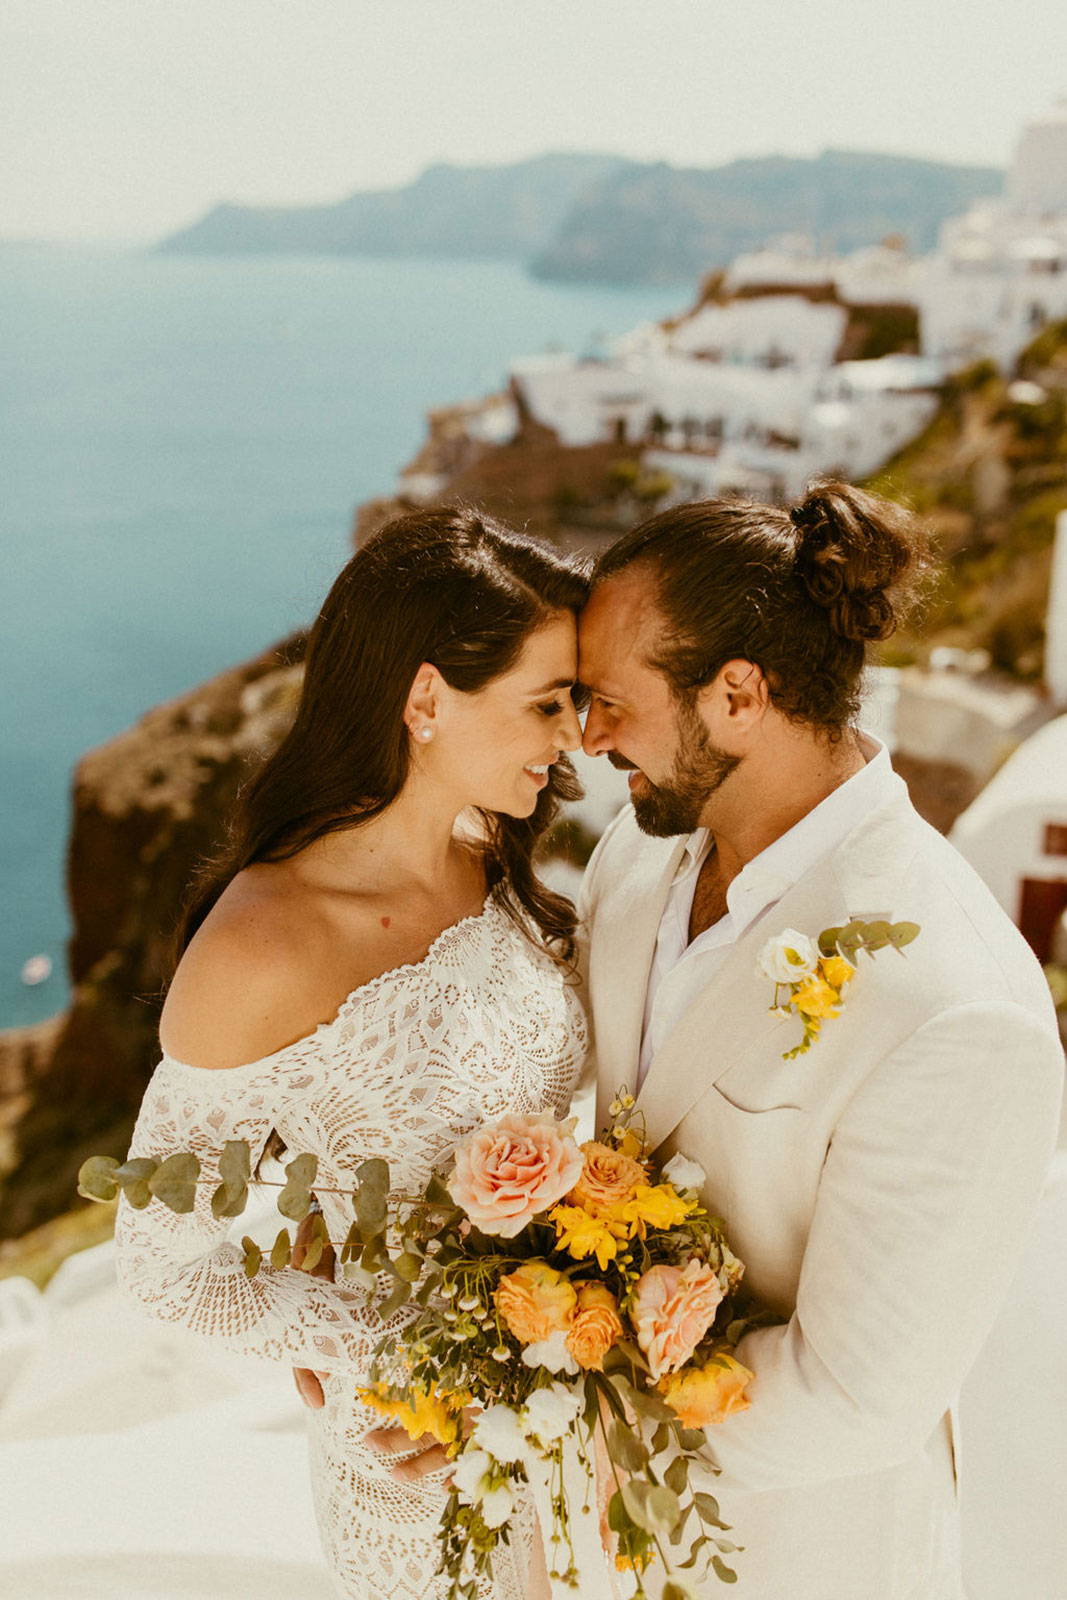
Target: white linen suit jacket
(876, 1187)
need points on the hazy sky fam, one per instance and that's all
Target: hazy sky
(127, 118)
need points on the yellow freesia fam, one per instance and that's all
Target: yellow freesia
(653, 1206)
(816, 998)
(837, 971)
(582, 1235)
(420, 1412)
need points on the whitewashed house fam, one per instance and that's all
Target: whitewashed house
(1015, 835)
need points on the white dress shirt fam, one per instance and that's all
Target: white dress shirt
(680, 969)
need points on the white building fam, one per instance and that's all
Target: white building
(1000, 272)
(1015, 834)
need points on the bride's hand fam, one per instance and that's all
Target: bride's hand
(392, 1441)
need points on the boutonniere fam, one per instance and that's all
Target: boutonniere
(814, 973)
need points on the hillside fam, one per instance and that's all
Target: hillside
(989, 475)
(653, 223)
(602, 219)
(505, 211)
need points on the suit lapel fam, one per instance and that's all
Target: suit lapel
(620, 963)
(730, 1020)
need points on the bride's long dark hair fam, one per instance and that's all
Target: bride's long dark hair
(450, 587)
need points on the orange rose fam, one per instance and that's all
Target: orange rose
(701, 1396)
(536, 1301)
(607, 1177)
(596, 1326)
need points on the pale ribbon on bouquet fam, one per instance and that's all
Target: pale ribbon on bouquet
(596, 1574)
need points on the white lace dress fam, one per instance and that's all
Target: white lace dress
(484, 1024)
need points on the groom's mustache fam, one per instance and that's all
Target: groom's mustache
(620, 763)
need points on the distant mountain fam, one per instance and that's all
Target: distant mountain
(511, 211)
(602, 219)
(661, 223)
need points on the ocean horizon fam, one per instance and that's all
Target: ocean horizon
(186, 442)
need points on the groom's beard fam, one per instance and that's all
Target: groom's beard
(700, 767)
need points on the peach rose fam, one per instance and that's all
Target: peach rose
(535, 1301)
(608, 1176)
(672, 1309)
(596, 1326)
(509, 1171)
(701, 1396)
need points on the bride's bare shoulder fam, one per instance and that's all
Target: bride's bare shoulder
(256, 976)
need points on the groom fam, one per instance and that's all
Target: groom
(878, 1184)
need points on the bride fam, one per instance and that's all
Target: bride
(373, 970)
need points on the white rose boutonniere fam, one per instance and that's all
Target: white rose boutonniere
(815, 972)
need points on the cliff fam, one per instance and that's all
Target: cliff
(148, 806)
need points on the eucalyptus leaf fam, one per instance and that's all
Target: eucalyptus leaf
(708, 1509)
(618, 1517)
(138, 1195)
(253, 1256)
(96, 1178)
(876, 935)
(828, 941)
(407, 1266)
(661, 1438)
(353, 1243)
(371, 1210)
(635, 1493)
(294, 1202)
(302, 1169)
(626, 1448)
(174, 1182)
(902, 933)
(282, 1251)
(691, 1438)
(664, 1507)
(235, 1162)
(229, 1199)
(676, 1476)
(137, 1170)
(694, 1551)
(394, 1301)
(722, 1571)
(312, 1256)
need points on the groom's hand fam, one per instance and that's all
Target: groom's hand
(308, 1383)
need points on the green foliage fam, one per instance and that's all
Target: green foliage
(294, 1201)
(174, 1182)
(96, 1178)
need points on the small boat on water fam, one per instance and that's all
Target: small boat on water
(38, 969)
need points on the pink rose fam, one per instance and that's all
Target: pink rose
(508, 1172)
(672, 1309)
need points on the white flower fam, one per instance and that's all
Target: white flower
(551, 1411)
(496, 1506)
(499, 1431)
(789, 957)
(552, 1354)
(471, 1474)
(683, 1173)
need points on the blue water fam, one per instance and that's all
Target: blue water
(183, 443)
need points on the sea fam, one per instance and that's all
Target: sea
(183, 444)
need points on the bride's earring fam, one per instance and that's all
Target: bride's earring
(424, 733)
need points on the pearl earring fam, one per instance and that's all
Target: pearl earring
(425, 734)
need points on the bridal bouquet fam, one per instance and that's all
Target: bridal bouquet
(576, 1302)
(574, 1295)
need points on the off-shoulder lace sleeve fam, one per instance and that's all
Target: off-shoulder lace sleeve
(183, 1269)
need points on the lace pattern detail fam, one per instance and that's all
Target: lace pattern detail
(412, 1061)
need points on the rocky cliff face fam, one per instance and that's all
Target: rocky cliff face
(148, 806)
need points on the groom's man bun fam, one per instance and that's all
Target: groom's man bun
(798, 592)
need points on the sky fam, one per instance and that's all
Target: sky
(126, 119)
